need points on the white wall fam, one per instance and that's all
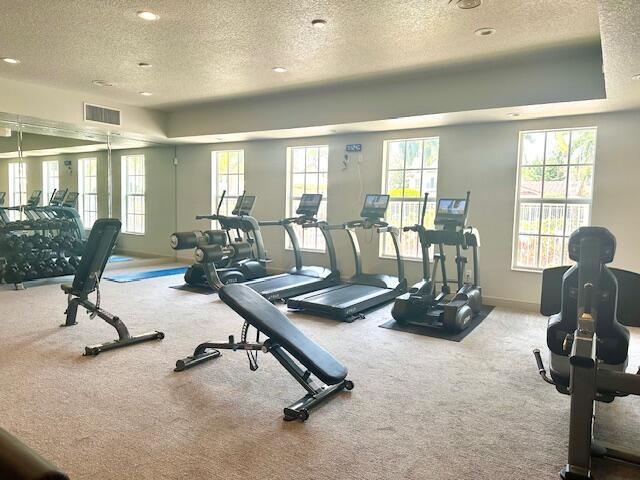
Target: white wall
(481, 158)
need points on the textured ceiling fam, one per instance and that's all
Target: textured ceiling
(206, 50)
(620, 30)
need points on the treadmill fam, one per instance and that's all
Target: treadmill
(348, 300)
(300, 279)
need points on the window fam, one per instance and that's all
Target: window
(410, 170)
(227, 167)
(50, 179)
(17, 187)
(133, 194)
(555, 189)
(307, 170)
(88, 190)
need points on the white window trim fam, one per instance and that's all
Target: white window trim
(542, 200)
(81, 192)
(46, 193)
(290, 208)
(385, 177)
(14, 215)
(125, 194)
(215, 194)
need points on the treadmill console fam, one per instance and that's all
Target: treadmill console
(58, 198)
(374, 206)
(34, 199)
(452, 212)
(2, 197)
(309, 204)
(71, 200)
(244, 205)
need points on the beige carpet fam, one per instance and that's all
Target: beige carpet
(422, 408)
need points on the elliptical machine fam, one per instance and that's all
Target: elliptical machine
(422, 305)
(220, 258)
(588, 347)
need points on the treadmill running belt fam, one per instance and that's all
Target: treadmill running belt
(344, 295)
(282, 282)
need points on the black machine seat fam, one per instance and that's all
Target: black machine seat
(19, 462)
(101, 241)
(266, 318)
(613, 338)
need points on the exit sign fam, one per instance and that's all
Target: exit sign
(354, 147)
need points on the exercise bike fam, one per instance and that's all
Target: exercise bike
(588, 347)
(422, 306)
(231, 259)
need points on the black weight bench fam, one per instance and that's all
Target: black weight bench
(87, 280)
(285, 342)
(19, 462)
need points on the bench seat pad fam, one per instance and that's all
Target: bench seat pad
(266, 318)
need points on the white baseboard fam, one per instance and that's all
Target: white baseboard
(513, 304)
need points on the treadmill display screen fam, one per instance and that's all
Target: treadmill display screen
(451, 210)
(70, 201)
(309, 204)
(244, 205)
(58, 197)
(375, 206)
(35, 198)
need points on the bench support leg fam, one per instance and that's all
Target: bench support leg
(124, 337)
(209, 350)
(315, 394)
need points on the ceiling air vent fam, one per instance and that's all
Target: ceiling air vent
(98, 114)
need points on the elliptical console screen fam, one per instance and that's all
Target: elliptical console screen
(244, 205)
(451, 210)
(309, 204)
(375, 206)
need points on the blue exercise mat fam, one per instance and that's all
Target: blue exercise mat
(134, 277)
(119, 259)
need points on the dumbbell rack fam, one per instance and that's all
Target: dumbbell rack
(31, 250)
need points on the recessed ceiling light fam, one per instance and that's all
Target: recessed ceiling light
(319, 23)
(513, 114)
(146, 94)
(636, 77)
(147, 15)
(102, 83)
(468, 4)
(279, 69)
(12, 61)
(144, 65)
(483, 32)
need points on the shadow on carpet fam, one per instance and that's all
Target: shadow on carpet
(194, 289)
(436, 332)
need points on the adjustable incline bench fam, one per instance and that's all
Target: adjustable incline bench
(19, 462)
(286, 343)
(87, 280)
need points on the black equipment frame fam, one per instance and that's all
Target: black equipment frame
(87, 280)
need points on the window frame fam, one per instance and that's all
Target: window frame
(126, 195)
(216, 192)
(82, 195)
(431, 204)
(20, 194)
(46, 178)
(565, 201)
(292, 201)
